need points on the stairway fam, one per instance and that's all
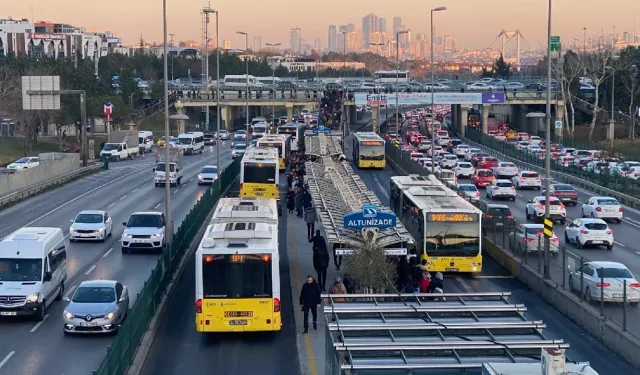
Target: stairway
(140, 115)
(603, 116)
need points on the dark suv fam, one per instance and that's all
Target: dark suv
(497, 217)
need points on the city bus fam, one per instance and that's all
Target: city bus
(296, 131)
(390, 76)
(237, 271)
(260, 173)
(446, 228)
(368, 150)
(282, 143)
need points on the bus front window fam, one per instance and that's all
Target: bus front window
(452, 239)
(256, 174)
(371, 152)
(237, 276)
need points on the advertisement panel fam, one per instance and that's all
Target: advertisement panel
(493, 98)
(420, 98)
(46, 36)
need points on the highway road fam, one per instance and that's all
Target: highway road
(495, 279)
(31, 348)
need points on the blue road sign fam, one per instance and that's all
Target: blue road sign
(370, 217)
(321, 129)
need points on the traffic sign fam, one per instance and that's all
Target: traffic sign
(548, 228)
(369, 211)
(321, 129)
(370, 217)
(555, 43)
(558, 124)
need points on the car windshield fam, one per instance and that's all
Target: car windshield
(20, 269)
(563, 187)
(89, 218)
(240, 148)
(534, 231)
(481, 155)
(144, 221)
(86, 294)
(241, 132)
(111, 146)
(508, 165)
(485, 173)
(530, 175)
(185, 141)
(464, 165)
(504, 184)
(608, 202)
(467, 188)
(596, 226)
(21, 160)
(209, 170)
(499, 210)
(613, 273)
(553, 202)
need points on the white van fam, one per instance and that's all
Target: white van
(191, 142)
(33, 271)
(145, 140)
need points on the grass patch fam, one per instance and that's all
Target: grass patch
(12, 148)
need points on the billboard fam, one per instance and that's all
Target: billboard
(420, 98)
(46, 36)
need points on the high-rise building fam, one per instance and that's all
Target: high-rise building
(382, 25)
(343, 29)
(227, 44)
(257, 43)
(295, 39)
(397, 24)
(351, 28)
(332, 41)
(369, 25)
(625, 37)
(317, 45)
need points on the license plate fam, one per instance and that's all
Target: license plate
(595, 242)
(451, 269)
(90, 324)
(237, 322)
(617, 295)
(8, 313)
(140, 241)
(85, 235)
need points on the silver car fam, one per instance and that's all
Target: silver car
(208, 174)
(96, 307)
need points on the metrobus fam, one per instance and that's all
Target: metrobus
(446, 228)
(368, 150)
(238, 276)
(280, 142)
(259, 173)
(390, 76)
(296, 131)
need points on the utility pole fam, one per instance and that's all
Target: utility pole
(171, 44)
(248, 92)
(273, 82)
(547, 193)
(433, 79)
(167, 134)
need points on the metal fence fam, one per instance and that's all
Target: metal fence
(611, 295)
(121, 352)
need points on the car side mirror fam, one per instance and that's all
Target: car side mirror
(47, 276)
(124, 223)
(66, 299)
(529, 201)
(154, 169)
(71, 221)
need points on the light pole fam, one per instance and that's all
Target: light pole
(171, 44)
(376, 89)
(273, 83)
(167, 182)
(246, 60)
(398, 122)
(547, 193)
(208, 11)
(613, 97)
(584, 40)
(344, 52)
(433, 79)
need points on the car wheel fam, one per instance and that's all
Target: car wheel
(619, 221)
(593, 216)
(634, 304)
(587, 296)
(610, 247)
(528, 215)
(39, 315)
(563, 221)
(571, 288)
(513, 198)
(111, 231)
(124, 250)
(582, 213)
(566, 238)
(578, 243)
(538, 188)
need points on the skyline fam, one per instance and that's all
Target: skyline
(479, 29)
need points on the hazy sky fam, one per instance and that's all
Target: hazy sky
(474, 23)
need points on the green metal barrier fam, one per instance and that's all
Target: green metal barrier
(121, 352)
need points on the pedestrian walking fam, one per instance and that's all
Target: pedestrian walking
(310, 218)
(320, 258)
(299, 199)
(291, 200)
(310, 301)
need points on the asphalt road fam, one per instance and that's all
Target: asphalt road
(495, 279)
(31, 348)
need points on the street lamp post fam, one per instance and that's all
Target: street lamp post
(584, 40)
(613, 98)
(167, 183)
(208, 11)
(547, 193)
(273, 83)
(376, 89)
(344, 52)
(246, 60)
(433, 79)
(398, 122)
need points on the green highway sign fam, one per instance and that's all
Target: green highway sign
(555, 43)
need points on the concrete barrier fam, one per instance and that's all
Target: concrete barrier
(52, 165)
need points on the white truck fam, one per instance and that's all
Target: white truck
(122, 145)
(175, 167)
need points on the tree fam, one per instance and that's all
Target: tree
(569, 70)
(370, 268)
(501, 68)
(631, 81)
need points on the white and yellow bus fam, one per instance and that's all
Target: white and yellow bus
(260, 173)
(282, 143)
(296, 131)
(368, 150)
(238, 271)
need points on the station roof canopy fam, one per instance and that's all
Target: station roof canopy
(413, 334)
(312, 145)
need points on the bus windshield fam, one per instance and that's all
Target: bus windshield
(185, 141)
(452, 239)
(260, 174)
(371, 152)
(236, 276)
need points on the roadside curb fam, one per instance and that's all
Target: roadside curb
(149, 337)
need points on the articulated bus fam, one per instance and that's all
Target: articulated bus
(296, 131)
(260, 173)
(446, 228)
(237, 269)
(280, 142)
(368, 150)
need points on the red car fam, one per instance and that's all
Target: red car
(487, 163)
(483, 178)
(477, 157)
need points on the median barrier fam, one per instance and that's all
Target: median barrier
(122, 352)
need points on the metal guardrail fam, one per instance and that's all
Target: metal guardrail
(20, 195)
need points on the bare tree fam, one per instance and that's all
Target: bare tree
(631, 83)
(370, 268)
(598, 67)
(568, 70)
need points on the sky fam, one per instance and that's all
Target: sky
(474, 23)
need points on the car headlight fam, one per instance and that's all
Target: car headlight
(157, 235)
(101, 229)
(33, 297)
(124, 235)
(111, 315)
(72, 229)
(200, 177)
(68, 315)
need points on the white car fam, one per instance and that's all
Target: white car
(416, 155)
(527, 180)
(91, 225)
(443, 141)
(529, 238)
(606, 208)
(469, 191)
(464, 169)
(238, 150)
(223, 135)
(505, 170)
(589, 232)
(479, 86)
(448, 161)
(501, 189)
(470, 152)
(535, 209)
(534, 139)
(534, 149)
(522, 145)
(428, 166)
(144, 231)
(24, 164)
(608, 276)
(208, 175)
(434, 149)
(424, 145)
(461, 150)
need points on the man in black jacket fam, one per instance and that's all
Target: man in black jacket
(310, 300)
(320, 258)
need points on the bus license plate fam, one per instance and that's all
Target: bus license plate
(237, 322)
(451, 269)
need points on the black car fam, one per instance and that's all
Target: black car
(209, 139)
(497, 216)
(566, 193)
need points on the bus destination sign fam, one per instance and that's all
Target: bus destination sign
(372, 143)
(453, 217)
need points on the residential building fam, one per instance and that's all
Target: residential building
(332, 40)
(295, 39)
(369, 25)
(257, 44)
(382, 25)
(397, 24)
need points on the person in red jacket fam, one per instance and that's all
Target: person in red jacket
(424, 282)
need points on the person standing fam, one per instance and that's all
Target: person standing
(291, 200)
(310, 218)
(299, 199)
(338, 288)
(320, 258)
(310, 299)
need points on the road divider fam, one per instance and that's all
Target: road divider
(136, 334)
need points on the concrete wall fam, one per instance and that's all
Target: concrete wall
(52, 165)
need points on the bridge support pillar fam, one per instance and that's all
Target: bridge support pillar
(181, 123)
(289, 112)
(226, 115)
(455, 120)
(559, 117)
(464, 117)
(485, 119)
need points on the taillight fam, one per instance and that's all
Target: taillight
(489, 216)
(555, 194)
(529, 239)
(609, 231)
(199, 306)
(635, 285)
(541, 206)
(598, 209)
(603, 285)
(555, 240)
(584, 231)
(477, 194)
(510, 217)
(496, 188)
(620, 209)
(276, 305)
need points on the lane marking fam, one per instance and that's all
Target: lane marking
(90, 269)
(175, 191)
(134, 190)
(35, 328)
(157, 205)
(7, 358)
(107, 253)
(619, 244)
(111, 205)
(123, 197)
(70, 291)
(638, 252)
(191, 179)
